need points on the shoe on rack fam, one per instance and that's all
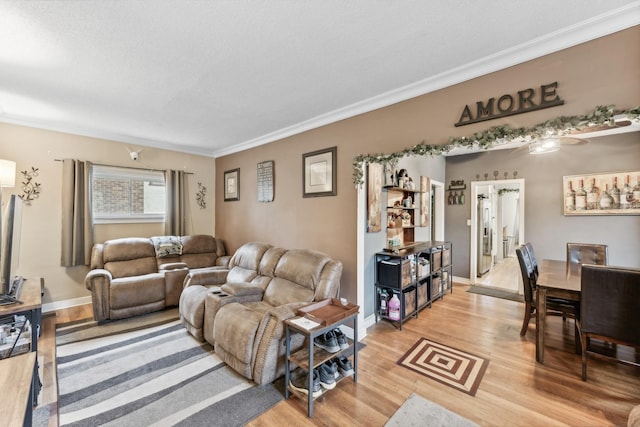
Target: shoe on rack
(327, 379)
(300, 381)
(333, 367)
(341, 338)
(328, 342)
(344, 366)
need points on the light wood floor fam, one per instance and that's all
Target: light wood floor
(502, 275)
(515, 390)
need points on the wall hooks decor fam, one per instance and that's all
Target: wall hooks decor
(30, 188)
(201, 196)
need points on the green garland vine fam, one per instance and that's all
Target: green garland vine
(559, 126)
(507, 190)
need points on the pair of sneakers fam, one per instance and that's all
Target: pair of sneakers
(332, 341)
(339, 366)
(323, 378)
(299, 381)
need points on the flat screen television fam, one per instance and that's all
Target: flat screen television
(10, 242)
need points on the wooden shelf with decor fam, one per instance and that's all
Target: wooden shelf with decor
(401, 217)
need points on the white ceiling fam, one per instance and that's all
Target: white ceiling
(215, 77)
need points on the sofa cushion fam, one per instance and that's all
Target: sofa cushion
(129, 257)
(199, 250)
(241, 275)
(137, 290)
(296, 276)
(282, 291)
(248, 256)
(302, 266)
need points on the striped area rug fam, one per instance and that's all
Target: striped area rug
(148, 371)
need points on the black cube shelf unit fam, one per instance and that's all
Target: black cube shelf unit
(418, 274)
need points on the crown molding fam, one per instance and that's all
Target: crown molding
(599, 26)
(109, 136)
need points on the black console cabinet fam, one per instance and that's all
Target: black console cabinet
(418, 275)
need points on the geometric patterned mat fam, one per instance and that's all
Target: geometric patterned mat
(450, 366)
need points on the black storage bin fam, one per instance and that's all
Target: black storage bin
(394, 273)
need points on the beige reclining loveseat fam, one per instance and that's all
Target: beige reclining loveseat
(241, 313)
(135, 275)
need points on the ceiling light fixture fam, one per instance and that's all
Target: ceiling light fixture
(542, 146)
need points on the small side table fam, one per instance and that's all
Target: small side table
(31, 308)
(16, 389)
(311, 357)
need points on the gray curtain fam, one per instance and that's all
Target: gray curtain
(175, 223)
(77, 223)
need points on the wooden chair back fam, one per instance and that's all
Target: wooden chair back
(526, 269)
(585, 253)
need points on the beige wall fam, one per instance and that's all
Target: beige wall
(601, 72)
(604, 71)
(41, 224)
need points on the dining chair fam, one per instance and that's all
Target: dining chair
(555, 306)
(610, 302)
(585, 253)
(532, 257)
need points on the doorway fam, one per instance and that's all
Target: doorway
(497, 227)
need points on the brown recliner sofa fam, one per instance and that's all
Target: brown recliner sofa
(135, 275)
(243, 313)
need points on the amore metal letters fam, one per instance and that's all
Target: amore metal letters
(507, 105)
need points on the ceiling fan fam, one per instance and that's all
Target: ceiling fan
(553, 143)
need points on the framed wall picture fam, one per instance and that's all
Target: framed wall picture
(425, 200)
(614, 193)
(232, 185)
(319, 174)
(374, 191)
(266, 181)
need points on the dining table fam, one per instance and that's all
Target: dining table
(554, 280)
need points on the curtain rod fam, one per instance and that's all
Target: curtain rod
(129, 167)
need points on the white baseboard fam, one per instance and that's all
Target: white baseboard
(462, 280)
(59, 305)
(362, 329)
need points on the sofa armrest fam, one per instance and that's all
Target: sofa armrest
(96, 277)
(172, 266)
(206, 277)
(98, 281)
(243, 290)
(174, 282)
(286, 311)
(223, 261)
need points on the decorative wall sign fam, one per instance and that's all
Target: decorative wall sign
(232, 185)
(201, 196)
(319, 173)
(509, 105)
(266, 181)
(30, 188)
(615, 193)
(374, 190)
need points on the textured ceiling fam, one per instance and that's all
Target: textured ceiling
(213, 77)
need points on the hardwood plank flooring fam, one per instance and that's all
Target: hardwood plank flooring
(503, 275)
(515, 390)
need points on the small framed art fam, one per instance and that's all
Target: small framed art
(319, 173)
(232, 185)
